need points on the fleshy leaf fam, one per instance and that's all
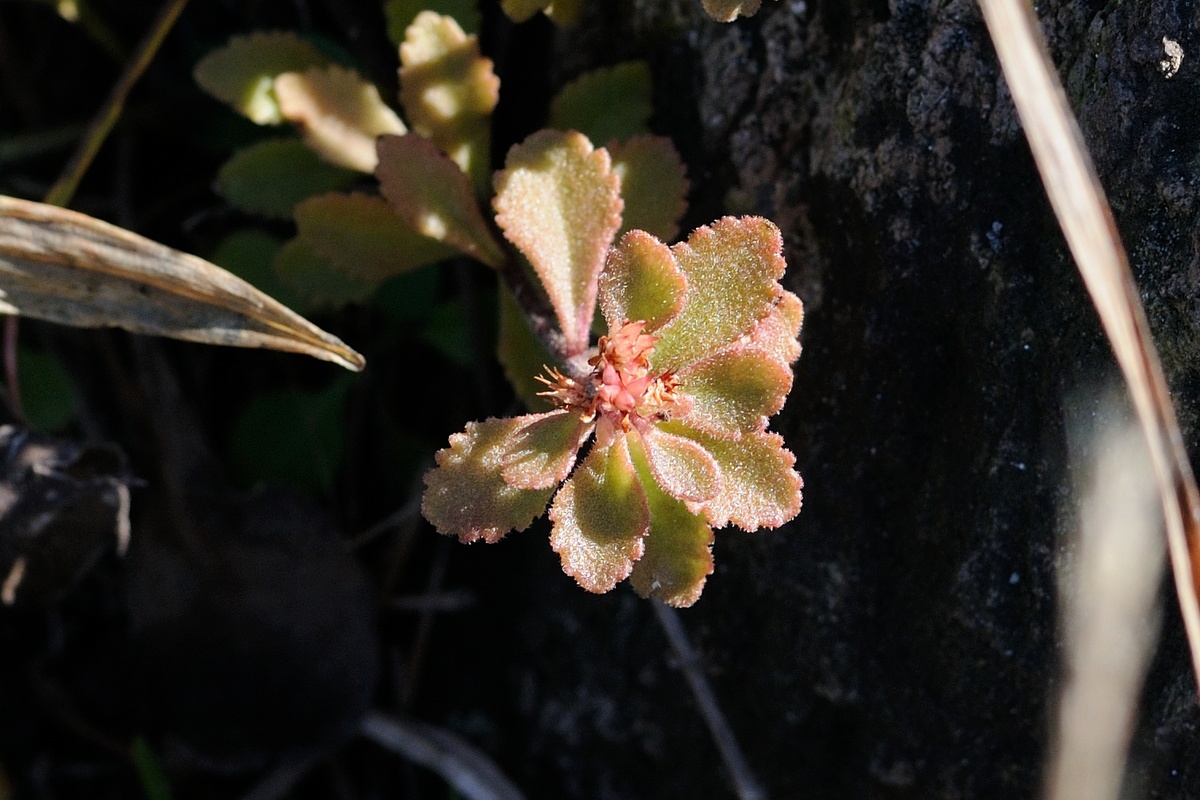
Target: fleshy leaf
(249, 253)
(465, 495)
(543, 451)
(600, 518)
(401, 13)
(521, 354)
(521, 10)
(777, 332)
(243, 72)
(729, 10)
(565, 12)
(605, 104)
(312, 279)
(760, 487)
(732, 269)
(270, 177)
(448, 91)
(678, 555)
(340, 114)
(641, 281)
(681, 467)
(432, 195)
(362, 237)
(653, 185)
(558, 201)
(735, 390)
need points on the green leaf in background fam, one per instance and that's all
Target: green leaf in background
(271, 177)
(408, 298)
(242, 73)
(292, 436)
(522, 355)
(447, 331)
(249, 253)
(150, 771)
(47, 391)
(653, 185)
(364, 238)
(605, 104)
(401, 13)
(312, 280)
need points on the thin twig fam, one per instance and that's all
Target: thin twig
(745, 785)
(63, 190)
(1086, 220)
(459, 763)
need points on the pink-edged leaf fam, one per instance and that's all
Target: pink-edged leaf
(600, 517)
(760, 488)
(465, 494)
(777, 332)
(543, 450)
(654, 185)
(735, 390)
(433, 196)
(363, 238)
(243, 72)
(448, 91)
(729, 10)
(732, 268)
(559, 202)
(522, 354)
(678, 553)
(681, 467)
(339, 113)
(641, 281)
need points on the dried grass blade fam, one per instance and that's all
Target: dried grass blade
(67, 267)
(1079, 203)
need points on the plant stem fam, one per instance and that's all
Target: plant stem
(542, 320)
(63, 190)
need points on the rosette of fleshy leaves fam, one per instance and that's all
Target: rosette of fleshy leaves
(666, 415)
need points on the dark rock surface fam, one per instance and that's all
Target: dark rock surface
(898, 639)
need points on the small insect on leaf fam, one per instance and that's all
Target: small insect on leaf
(69, 268)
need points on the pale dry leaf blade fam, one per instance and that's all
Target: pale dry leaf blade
(66, 267)
(1084, 215)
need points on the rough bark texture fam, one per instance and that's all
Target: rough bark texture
(899, 638)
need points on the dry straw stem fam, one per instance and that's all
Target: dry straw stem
(1078, 200)
(69, 268)
(1108, 598)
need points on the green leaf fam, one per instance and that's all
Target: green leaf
(270, 177)
(243, 72)
(732, 269)
(249, 254)
(448, 91)
(542, 452)
(600, 518)
(605, 104)
(448, 331)
(433, 196)
(401, 13)
(465, 495)
(47, 390)
(558, 201)
(653, 185)
(729, 10)
(410, 297)
(681, 468)
(641, 281)
(150, 770)
(678, 556)
(292, 436)
(521, 10)
(313, 281)
(522, 354)
(734, 391)
(363, 237)
(760, 489)
(339, 113)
